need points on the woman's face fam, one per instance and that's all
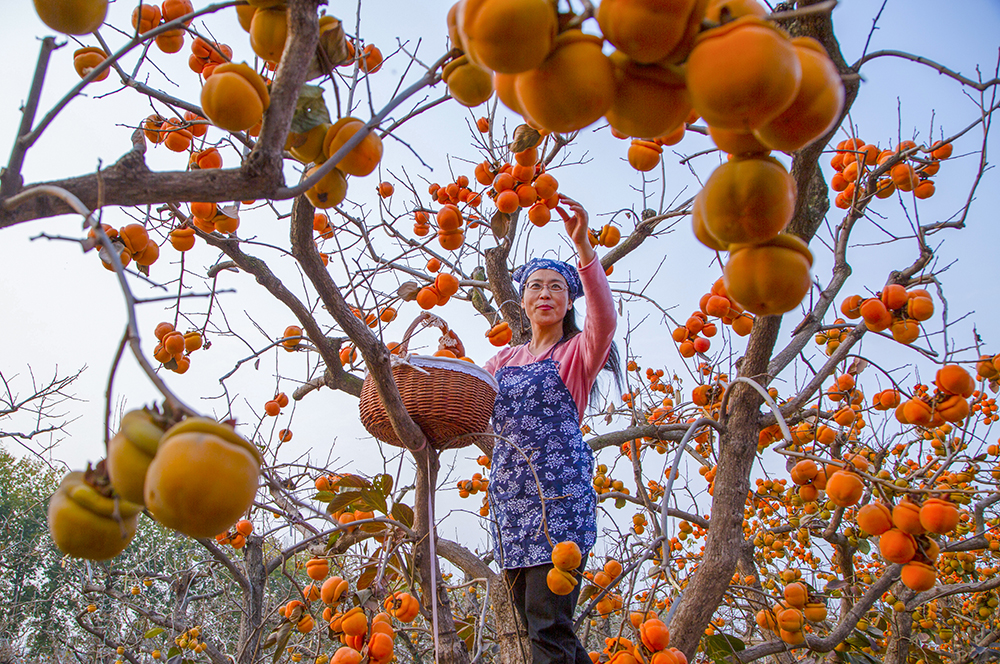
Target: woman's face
(546, 298)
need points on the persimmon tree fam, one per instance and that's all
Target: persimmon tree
(293, 192)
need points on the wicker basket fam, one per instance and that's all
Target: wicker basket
(452, 399)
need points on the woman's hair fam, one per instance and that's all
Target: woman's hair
(613, 363)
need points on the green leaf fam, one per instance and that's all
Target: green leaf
(403, 513)
(375, 500)
(466, 628)
(620, 503)
(310, 109)
(343, 500)
(864, 546)
(720, 647)
(352, 482)
(324, 496)
(384, 484)
(156, 631)
(173, 652)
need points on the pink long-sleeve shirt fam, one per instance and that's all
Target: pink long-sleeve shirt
(582, 357)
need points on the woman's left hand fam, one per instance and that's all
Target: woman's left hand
(577, 228)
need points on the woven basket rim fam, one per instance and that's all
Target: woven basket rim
(454, 364)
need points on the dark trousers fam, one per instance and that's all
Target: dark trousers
(549, 617)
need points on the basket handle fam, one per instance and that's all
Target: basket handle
(449, 339)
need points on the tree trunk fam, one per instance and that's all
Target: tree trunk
(252, 618)
(451, 648)
(737, 452)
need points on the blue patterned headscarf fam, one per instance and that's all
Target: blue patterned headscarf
(567, 271)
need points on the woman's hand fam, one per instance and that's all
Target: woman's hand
(577, 228)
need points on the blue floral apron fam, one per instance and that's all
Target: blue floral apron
(535, 412)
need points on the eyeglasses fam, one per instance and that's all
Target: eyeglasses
(537, 286)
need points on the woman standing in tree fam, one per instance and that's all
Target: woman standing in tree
(545, 388)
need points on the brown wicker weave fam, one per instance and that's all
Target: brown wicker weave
(445, 403)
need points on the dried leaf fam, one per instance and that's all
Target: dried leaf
(500, 224)
(330, 51)
(408, 291)
(857, 366)
(525, 137)
(367, 576)
(586, 594)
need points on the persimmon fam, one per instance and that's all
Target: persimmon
(507, 36)
(874, 518)
(203, 477)
(905, 331)
(613, 569)
(651, 100)
(403, 606)
(651, 32)
(468, 83)
(79, 17)
(346, 655)
(329, 191)
(920, 308)
(894, 297)
(918, 576)
(451, 240)
(877, 317)
(145, 17)
(748, 200)
(234, 97)
(449, 218)
(380, 647)
(268, 32)
(816, 106)
(171, 41)
(769, 278)
(87, 524)
(742, 74)
(844, 488)
(954, 408)
(938, 516)
(791, 620)
(904, 177)
(654, 634)
(572, 88)
(89, 58)
(333, 589)
(182, 239)
(318, 568)
(364, 157)
(954, 379)
(906, 517)
(796, 594)
(371, 58)
(644, 155)
(941, 150)
(560, 582)
(566, 555)
(507, 201)
(897, 546)
(428, 297)
(174, 9)
(539, 214)
(175, 138)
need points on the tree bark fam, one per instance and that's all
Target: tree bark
(738, 450)
(451, 648)
(252, 618)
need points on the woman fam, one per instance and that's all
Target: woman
(545, 388)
